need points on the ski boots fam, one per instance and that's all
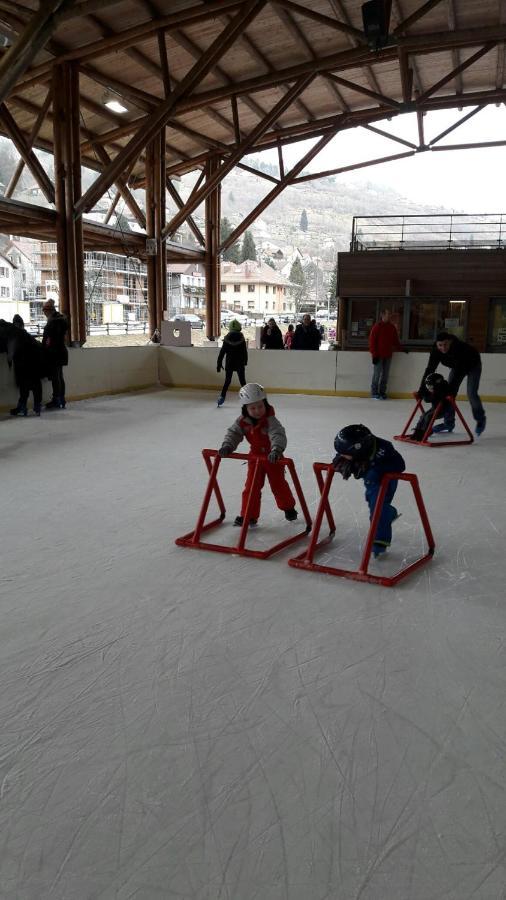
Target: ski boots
(239, 521)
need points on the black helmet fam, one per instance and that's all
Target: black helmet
(433, 381)
(355, 441)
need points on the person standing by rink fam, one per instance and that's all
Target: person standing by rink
(288, 338)
(363, 455)
(55, 352)
(235, 352)
(271, 337)
(307, 336)
(267, 438)
(383, 342)
(462, 360)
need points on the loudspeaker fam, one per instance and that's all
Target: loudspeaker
(376, 19)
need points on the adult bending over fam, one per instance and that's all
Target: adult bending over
(462, 360)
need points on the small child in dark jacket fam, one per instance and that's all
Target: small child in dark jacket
(235, 351)
(267, 438)
(363, 455)
(435, 391)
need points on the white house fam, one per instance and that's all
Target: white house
(10, 302)
(253, 287)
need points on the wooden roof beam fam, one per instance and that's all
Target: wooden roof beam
(363, 90)
(27, 154)
(339, 10)
(501, 50)
(327, 21)
(414, 17)
(121, 184)
(455, 125)
(16, 175)
(350, 168)
(410, 76)
(452, 25)
(451, 75)
(162, 113)
(267, 200)
(37, 32)
(133, 36)
(238, 154)
(391, 137)
(178, 200)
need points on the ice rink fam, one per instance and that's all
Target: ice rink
(191, 725)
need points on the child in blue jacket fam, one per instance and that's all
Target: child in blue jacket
(363, 455)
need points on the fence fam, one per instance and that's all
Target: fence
(434, 232)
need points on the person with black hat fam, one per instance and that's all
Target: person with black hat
(463, 360)
(436, 390)
(361, 454)
(235, 352)
(55, 352)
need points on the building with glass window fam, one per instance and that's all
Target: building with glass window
(253, 287)
(433, 275)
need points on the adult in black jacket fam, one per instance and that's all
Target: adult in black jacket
(55, 352)
(235, 352)
(271, 337)
(462, 360)
(307, 336)
(24, 353)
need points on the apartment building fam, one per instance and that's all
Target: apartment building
(254, 287)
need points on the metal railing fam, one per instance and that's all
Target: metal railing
(443, 231)
(37, 328)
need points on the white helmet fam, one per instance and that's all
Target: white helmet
(252, 393)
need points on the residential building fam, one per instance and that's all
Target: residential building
(186, 288)
(10, 300)
(253, 287)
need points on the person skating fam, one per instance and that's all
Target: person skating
(383, 342)
(462, 360)
(55, 352)
(267, 438)
(436, 389)
(363, 455)
(235, 353)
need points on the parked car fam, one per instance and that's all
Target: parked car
(195, 321)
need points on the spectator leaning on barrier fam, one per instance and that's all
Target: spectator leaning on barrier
(383, 342)
(307, 336)
(55, 352)
(271, 337)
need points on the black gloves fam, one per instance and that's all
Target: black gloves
(225, 450)
(273, 456)
(375, 360)
(349, 467)
(219, 368)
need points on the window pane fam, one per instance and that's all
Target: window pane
(251, 288)
(237, 288)
(363, 317)
(422, 321)
(452, 317)
(498, 330)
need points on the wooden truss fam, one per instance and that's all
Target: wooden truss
(203, 111)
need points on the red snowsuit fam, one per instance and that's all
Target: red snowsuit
(263, 435)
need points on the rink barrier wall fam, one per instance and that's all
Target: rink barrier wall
(101, 371)
(93, 372)
(345, 373)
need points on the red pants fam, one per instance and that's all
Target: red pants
(279, 487)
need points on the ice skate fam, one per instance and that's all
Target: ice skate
(291, 515)
(480, 427)
(379, 549)
(239, 521)
(439, 429)
(220, 401)
(19, 410)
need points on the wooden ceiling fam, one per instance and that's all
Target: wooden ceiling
(441, 54)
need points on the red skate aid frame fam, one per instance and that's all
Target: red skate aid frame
(306, 559)
(425, 439)
(193, 538)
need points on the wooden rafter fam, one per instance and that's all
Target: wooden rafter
(451, 75)
(121, 184)
(327, 21)
(456, 125)
(178, 200)
(361, 165)
(35, 35)
(162, 113)
(238, 153)
(391, 137)
(340, 11)
(26, 153)
(403, 26)
(11, 187)
(359, 88)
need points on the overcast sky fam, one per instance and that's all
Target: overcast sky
(469, 180)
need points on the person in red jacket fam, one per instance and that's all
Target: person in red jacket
(383, 342)
(267, 438)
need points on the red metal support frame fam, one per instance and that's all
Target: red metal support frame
(306, 559)
(194, 538)
(425, 442)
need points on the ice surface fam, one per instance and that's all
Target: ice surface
(183, 724)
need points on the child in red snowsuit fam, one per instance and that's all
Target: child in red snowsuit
(267, 437)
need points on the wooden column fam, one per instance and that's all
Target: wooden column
(213, 267)
(341, 323)
(67, 166)
(161, 257)
(151, 260)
